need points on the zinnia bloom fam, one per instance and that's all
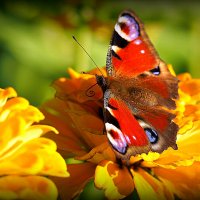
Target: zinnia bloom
(26, 157)
(78, 117)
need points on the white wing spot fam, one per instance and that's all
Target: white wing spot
(110, 111)
(137, 42)
(142, 51)
(115, 48)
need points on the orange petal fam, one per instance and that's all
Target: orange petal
(78, 126)
(183, 181)
(115, 180)
(27, 187)
(99, 153)
(184, 77)
(191, 86)
(77, 87)
(80, 174)
(56, 115)
(67, 147)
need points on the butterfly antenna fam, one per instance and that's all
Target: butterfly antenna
(87, 54)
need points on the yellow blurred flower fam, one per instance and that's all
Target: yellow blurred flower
(79, 120)
(25, 157)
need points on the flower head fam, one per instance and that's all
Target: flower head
(81, 141)
(25, 156)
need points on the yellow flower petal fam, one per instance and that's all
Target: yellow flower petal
(135, 159)
(151, 156)
(5, 94)
(149, 187)
(171, 70)
(117, 182)
(73, 74)
(24, 152)
(16, 119)
(28, 187)
(188, 150)
(35, 157)
(20, 107)
(149, 160)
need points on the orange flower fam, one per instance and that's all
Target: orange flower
(78, 117)
(25, 156)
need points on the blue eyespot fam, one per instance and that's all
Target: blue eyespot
(152, 135)
(155, 71)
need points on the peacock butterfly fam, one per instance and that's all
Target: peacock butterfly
(139, 93)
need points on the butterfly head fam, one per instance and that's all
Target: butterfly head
(102, 82)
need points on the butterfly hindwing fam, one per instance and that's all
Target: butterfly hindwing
(123, 130)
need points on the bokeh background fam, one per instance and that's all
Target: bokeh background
(36, 45)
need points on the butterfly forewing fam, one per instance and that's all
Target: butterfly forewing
(130, 52)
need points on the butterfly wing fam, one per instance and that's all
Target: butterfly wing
(130, 51)
(141, 87)
(132, 54)
(125, 134)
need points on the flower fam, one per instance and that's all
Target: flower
(26, 157)
(78, 117)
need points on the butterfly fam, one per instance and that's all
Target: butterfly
(139, 93)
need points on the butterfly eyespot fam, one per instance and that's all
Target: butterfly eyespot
(127, 27)
(116, 138)
(155, 71)
(152, 135)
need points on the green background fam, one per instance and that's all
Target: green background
(36, 45)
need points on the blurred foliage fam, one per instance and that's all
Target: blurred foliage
(36, 45)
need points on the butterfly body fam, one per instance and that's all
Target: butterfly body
(139, 93)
